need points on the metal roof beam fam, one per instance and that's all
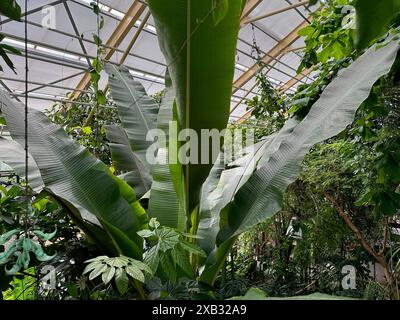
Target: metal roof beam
(277, 50)
(55, 82)
(275, 12)
(77, 34)
(86, 40)
(40, 8)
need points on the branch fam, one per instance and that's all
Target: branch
(358, 234)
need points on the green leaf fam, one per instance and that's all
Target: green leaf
(7, 60)
(10, 9)
(95, 8)
(152, 259)
(140, 265)
(261, 196)
(181, 258)
(192, 248)
(11, 49)
(99, 258)
(108, 274)
(102, 21)
(98, 65)
(146, 233)
(137, 111)
(167, 238)
(168, 266)
(373, 18)
(95, 77)
(101, 98)
(45, 236)
(97, 40)
(122, 281)
(40, 204)
(201, 59)
(164, 203)
(97, 271)
(154, 224)
(13, 154)
(92, 266)
(135, 172)
(306, 31)
(87, 130)
(220, 188)
(6, 236)
(79, 181)
(135, 273)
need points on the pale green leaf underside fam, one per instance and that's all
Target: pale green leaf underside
(13, 154)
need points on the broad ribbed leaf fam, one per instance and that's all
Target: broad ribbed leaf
(13, 154)
(165, 203)
(200, 55)
(261, 196)
(220, 188)
(136, 110)
(135, 172)
(82, 182)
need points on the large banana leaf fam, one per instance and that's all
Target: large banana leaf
(198, 40)
(165, 203)
(78, 179)
(261, 196)
(136, 110)
(13, 155)
(220, 188)
(135, 172)
(225, 180)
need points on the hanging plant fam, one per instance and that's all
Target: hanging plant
(97, 64)
(18, 251)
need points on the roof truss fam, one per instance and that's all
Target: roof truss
(132, 15)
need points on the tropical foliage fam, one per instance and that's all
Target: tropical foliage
(172, 225)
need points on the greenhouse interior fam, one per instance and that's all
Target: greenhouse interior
(215, 150)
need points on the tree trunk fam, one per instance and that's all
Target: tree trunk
(379, 257)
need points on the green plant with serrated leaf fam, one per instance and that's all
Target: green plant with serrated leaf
(169, 253)
(122, 269)
(22, 287)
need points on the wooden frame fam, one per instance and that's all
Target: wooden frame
(119, 34)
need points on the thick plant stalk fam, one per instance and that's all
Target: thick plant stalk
(198, 40)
